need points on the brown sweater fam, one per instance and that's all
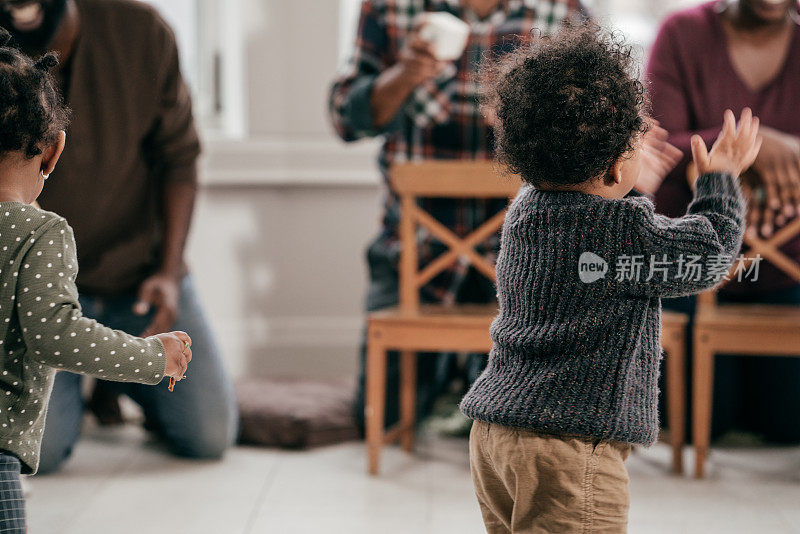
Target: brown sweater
(132, 131)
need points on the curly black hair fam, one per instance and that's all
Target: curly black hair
(567, 107)
(32, 111)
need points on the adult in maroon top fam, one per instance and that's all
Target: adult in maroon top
(729, 54)
(734, 54)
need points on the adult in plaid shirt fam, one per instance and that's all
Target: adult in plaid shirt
(392, 86)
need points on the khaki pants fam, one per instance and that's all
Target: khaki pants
(529, 482)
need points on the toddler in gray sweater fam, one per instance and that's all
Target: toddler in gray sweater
(572, 376)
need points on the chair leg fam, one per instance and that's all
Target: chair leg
(703, 384)
(375, 405)
(408, 398)
(676, 399)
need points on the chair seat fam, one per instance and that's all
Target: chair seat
(761, 317)
(462, 315)
(434, 328)
(476, 316)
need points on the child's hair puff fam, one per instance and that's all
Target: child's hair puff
(32, 111)
(567, 107)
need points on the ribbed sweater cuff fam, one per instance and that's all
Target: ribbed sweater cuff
(718, 184)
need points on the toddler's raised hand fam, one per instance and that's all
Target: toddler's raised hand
(178, 351)
(735, 149)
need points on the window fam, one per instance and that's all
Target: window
(209, 34)
(349, 10)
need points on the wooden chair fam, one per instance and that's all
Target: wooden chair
(673, 341)
(751, 329)
(411, 327)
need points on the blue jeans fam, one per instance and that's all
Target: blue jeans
(197, 420)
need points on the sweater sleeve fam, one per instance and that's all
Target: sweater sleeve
(55, 331)
(689, 254)
(350, 96)
(172, 144)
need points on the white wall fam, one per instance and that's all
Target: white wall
(292, 53)
(289, 210)
(283, 282)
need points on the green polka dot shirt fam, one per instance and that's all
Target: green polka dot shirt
(42, 329)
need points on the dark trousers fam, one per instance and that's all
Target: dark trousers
(759, 394)
(12, 502)
(435, 372)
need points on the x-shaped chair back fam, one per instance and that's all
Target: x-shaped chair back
(444, 179)
(769, 250)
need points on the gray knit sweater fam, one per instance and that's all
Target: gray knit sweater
(582, 357)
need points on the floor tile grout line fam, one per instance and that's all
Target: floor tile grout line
(262, 495)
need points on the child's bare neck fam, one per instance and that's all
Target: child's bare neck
(9, 195)
(559, 188)
(10, 178)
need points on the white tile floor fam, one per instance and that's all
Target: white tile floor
(117, 482)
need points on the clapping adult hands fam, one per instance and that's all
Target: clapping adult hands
(772, 188)
(657, 160)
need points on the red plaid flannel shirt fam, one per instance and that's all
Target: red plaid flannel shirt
(441, 119)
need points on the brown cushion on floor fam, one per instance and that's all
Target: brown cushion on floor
(295, 413)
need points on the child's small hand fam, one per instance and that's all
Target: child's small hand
(735, 149)
(179, 353)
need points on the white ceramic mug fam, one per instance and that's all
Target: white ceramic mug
(447, 33)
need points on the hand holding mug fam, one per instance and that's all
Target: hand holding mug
(417, 61)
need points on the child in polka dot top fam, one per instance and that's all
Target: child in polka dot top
(41, 325)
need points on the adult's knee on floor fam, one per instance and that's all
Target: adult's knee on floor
(205, 441)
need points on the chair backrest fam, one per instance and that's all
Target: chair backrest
(767, 248)
(444, 179)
